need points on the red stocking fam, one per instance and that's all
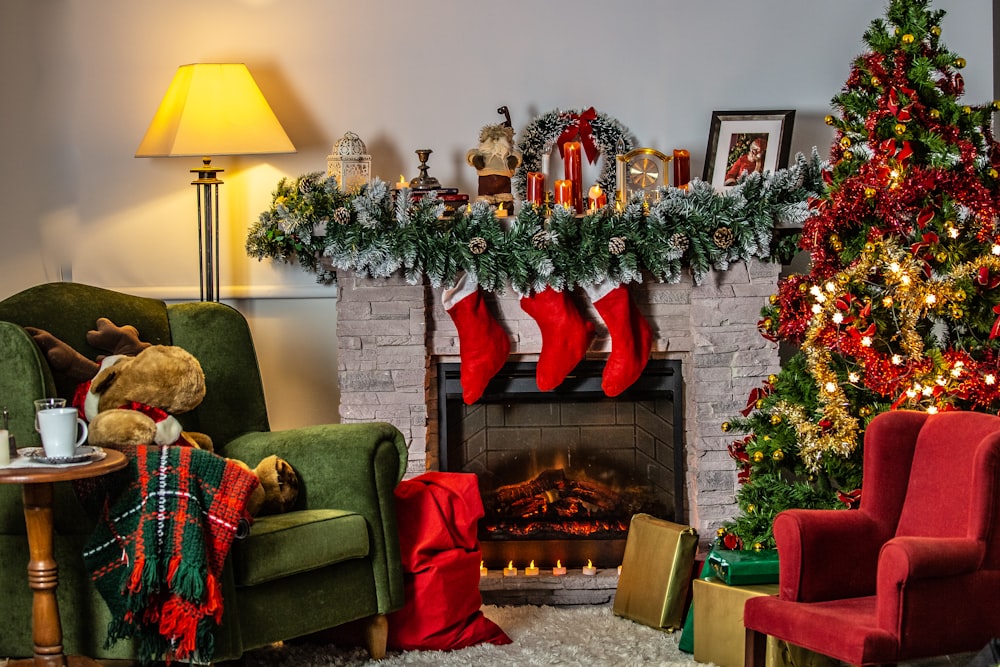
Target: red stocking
(565, 335)
(483, 344)
(631, 337)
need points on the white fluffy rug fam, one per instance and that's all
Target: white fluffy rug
(565, 636)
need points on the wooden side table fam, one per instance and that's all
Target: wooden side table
(43, 576)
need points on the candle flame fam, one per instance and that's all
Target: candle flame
(532, 564)
(589, 564)
(558, 563)
(510, 565)
(402, 179)
(500, 208)
(481, 563)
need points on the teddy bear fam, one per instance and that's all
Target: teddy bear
(496, 160)
(136, 394)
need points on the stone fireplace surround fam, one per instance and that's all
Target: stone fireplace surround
(391, 336)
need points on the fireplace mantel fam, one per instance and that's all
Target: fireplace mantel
(391, 336)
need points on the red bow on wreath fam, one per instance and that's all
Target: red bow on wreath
(580, 125)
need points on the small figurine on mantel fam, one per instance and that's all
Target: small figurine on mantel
(495, 160)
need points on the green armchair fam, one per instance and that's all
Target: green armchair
(333, 560)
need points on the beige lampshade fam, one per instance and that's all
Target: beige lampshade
(213, 109)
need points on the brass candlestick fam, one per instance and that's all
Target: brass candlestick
(423, 181)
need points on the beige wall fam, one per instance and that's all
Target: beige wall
(81, 80)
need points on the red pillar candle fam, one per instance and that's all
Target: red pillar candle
(597, 198)
(564, 192)
(682, 167)
(536, 187)
(574, 171)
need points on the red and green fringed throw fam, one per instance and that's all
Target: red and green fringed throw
(156, 556)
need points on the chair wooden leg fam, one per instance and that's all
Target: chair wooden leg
(755, 651)
(377, 634)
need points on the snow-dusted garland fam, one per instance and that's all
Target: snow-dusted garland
(539, 137)
(377, 232)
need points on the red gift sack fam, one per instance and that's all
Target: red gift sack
(437, 516)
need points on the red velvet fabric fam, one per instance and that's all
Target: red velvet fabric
(915, 570)
(438, 515)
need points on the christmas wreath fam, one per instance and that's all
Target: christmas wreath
(599, 134)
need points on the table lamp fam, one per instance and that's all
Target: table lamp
(211, 110)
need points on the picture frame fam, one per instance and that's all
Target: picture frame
(741, 141)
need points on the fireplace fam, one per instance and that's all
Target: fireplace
(393, 338)
(561, 473)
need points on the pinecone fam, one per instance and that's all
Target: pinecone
(723, 237)
(541, 240)
(477, 245)
(680, 242)
(342, 215)
(616, 245)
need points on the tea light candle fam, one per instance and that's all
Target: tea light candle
(482, 569)
(510, 570)
(564, 192)
(682, 168)
(401, 183)
(535, 187)
(531, 570)
(4, 447)
(501, 211)
(559, 570)
(596, 198)
(589, 569)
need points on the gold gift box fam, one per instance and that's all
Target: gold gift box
(656, 572)
(719, 634)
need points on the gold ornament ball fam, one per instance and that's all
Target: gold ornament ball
(908, 38)
(869, 247)
(803, 288)
(935, 113)
(757, 546)
(845, 142)
(777, 455)
(941, 257)
(900, 129)
(768, 322)
(848, 155)
(959, 63)
(771, 379)
(726, 426)
(721, 532)
(759, 403)
(758, 456)
(993, 172)
(957, 312)
(996, 105)
(936, 30)
(751, 508)
(837, 246)
(834, 237)
(773, 299)
(960, 295)
(870, 193)
(864, 411)
(829, 119)
(967, 110)
(775, 419)
(876, 81)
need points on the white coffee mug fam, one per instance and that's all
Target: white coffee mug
(58, 428)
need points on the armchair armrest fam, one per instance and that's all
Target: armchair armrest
(826, 554)
(353, 467)
(907, 558)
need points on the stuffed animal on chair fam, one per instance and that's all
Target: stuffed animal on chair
(134, 400)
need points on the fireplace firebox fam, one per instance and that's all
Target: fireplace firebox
(562, 472)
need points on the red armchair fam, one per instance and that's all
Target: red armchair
(915, 571)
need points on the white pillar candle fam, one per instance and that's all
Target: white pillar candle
(4, 447)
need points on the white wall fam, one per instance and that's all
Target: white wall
(81, 80)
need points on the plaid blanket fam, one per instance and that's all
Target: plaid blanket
(166, 523)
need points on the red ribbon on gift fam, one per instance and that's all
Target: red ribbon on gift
(580, 125)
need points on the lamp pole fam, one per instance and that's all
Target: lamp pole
(207, 191)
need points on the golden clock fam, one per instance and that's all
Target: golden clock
(642, 170)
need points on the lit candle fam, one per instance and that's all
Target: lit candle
(535, 187)
(619, 570)
(589, 569)
(501, 211)
(531, 570)
(564, 192)
(573, 171)
(682, 168)
(4, 447)
(482, 569)
(401, 183)
(510, 570)
(559, 570)
(596, 198)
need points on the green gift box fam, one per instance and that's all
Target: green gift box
(741, 568)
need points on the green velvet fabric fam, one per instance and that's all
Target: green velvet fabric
(348, 474)
(322, 537)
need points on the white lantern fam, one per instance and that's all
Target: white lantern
(350, 163)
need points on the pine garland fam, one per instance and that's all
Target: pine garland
(379, 231)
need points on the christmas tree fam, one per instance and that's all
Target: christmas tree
(900, 307)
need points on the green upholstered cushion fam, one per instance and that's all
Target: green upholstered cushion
(285, 544)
